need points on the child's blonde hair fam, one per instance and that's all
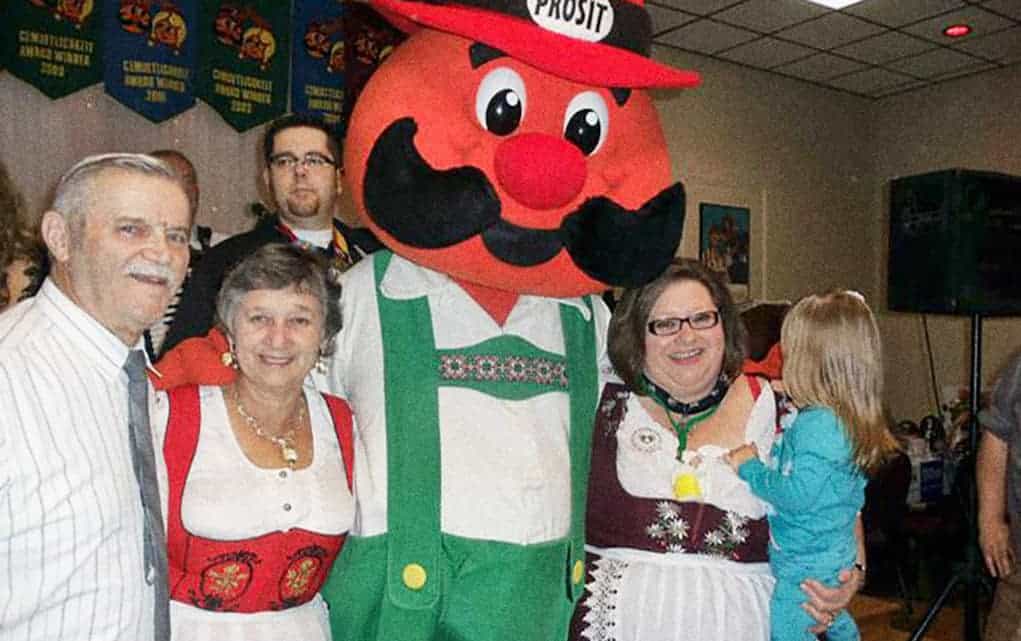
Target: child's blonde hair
(833, 357)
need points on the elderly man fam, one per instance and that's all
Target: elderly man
(302, 174)
(81, 530)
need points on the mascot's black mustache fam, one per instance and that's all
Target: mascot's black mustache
(431, 209)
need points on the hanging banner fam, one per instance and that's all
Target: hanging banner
(150, 52)
(369, 39)
(317, 60)
(244, 64)
(53, 44)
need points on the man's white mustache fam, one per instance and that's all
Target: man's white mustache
(148, 270)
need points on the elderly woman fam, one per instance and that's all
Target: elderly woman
(21, 255)
(259, 497)
(677, 542)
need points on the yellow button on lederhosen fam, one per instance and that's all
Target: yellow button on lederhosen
(414, 576)
(578, 572)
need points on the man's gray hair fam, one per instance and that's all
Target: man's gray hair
(74, 193)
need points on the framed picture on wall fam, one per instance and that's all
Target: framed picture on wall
(724, 239)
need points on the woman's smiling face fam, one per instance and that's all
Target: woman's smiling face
(688, 363)
(277, 335)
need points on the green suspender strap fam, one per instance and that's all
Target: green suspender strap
(582, 372)
(413, 572)
(414, 372)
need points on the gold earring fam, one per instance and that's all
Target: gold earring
(229, 359)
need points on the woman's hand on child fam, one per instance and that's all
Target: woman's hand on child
(737, 456)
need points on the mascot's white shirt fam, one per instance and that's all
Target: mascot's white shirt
(505, 464)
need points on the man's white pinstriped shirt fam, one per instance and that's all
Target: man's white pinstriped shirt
(71, 524)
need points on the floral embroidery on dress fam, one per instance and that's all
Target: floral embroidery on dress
(514, 369)
(725, 539)
(604, 589)
(301, 580)
(224, 580)
(669, 530)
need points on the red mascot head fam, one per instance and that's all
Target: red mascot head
(504, 144)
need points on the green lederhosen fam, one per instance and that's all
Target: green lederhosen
(461, 589)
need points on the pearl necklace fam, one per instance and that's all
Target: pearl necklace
(284, 441)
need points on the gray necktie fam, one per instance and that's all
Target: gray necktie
(144, 458)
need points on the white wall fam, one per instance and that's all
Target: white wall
(40, 138)
(793, 153)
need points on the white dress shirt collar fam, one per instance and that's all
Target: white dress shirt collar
(95, 342)
(405, 280)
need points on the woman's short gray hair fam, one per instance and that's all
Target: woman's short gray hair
(280, 266)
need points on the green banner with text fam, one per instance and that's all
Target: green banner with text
(53, 45)
(244, 64)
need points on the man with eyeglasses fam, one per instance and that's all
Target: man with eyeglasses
(303, 175)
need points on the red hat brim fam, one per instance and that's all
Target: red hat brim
(590, 63)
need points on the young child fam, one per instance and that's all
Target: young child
(833, 371)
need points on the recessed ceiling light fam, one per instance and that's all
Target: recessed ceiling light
(956, 30)
(835, 4)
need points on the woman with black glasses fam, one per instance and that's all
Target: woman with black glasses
(677, 542)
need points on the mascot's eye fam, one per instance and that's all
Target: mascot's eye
(500, 101)
(586, 122)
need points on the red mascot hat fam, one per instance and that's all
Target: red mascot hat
(597, 42)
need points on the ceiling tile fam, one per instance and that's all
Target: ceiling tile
(831, 30)
(970, 70)
(766, 53)
(1011, 8)
(981, 21)
(1003, 46)
(663, 18)
(896, 89)
(870, 81)
(706, 36)
(894, 13)
(819, 67)
(769, 15)
(700, 7)
(933, 63)
(886, 46)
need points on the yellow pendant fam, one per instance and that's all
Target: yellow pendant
(686, 486)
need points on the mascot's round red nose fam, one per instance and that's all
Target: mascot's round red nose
(540, 171)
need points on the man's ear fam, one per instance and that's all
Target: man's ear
(266, 184)
(56, 234)
(340, 180)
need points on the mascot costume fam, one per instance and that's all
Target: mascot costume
(508, 159)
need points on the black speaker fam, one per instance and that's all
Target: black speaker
(955, 243)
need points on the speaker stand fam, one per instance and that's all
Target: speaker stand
(970, 575)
